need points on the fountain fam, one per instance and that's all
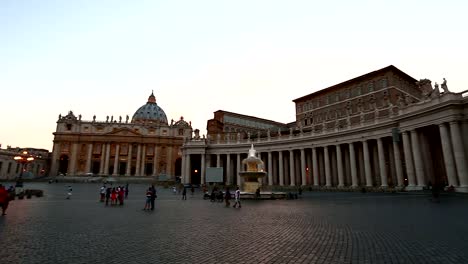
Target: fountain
(252, 175)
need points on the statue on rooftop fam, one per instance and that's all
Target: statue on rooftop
(444, 86)
(107, 118)
(94, 118)
(126, 119)
(120, 119)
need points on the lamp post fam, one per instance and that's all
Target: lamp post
(23, 159)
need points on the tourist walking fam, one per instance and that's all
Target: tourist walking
(113, 196)
(69, 193)
(148, 199)
(237, 198)
(257, 194)
(108, 195)
(192, 189)
(153, 196)
(227, 197)
(126, 191)
(102, 193)
(4, 199)
(184, 194)
(121, 194)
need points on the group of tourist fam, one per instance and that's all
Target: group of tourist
(115, 195)
(150, 198)
(219, 195)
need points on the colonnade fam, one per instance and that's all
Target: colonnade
(373, 161)
(108, 160)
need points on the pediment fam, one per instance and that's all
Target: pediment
(123, 132)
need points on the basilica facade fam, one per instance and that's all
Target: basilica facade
(383, 129)
(146, 145)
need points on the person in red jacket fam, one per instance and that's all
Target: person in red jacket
(4, 199)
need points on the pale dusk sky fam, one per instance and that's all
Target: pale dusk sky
(252, 57)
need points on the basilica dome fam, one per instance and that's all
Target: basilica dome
(150, 113)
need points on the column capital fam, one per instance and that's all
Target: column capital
(442, 125)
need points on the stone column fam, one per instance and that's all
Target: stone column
(55, 159)
(170, 162)
(367, 165)
(238, 165)
(339, 161)
(188, 169)
(129, 160)
(183, 173)
(103, 158)
(383, 171)
(138, 161)
(448, 157)
(459, 152)
(315, 167)
(465, 132)
(218, 160)
(116, 161)
(417, 158)
(303, 168)
(408, 160)
(106, 163)
(143, 160)
(292, 176)
(398, 165)
(89, 157)
(270, 169)
(352, 161)
(155, 161)
(328, 182)
(73, 159)
(228, 169)
(281, 169)
(202, 172)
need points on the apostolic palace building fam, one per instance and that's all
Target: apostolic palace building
(382, 129)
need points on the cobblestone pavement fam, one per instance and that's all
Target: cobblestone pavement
(319, 228)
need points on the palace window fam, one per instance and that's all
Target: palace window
(181, 132)
(370, 87)
(384, 82)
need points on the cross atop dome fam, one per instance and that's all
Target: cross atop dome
(152, 98)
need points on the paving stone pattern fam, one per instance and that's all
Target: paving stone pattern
(319, 228)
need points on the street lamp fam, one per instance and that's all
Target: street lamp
(23, 159)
